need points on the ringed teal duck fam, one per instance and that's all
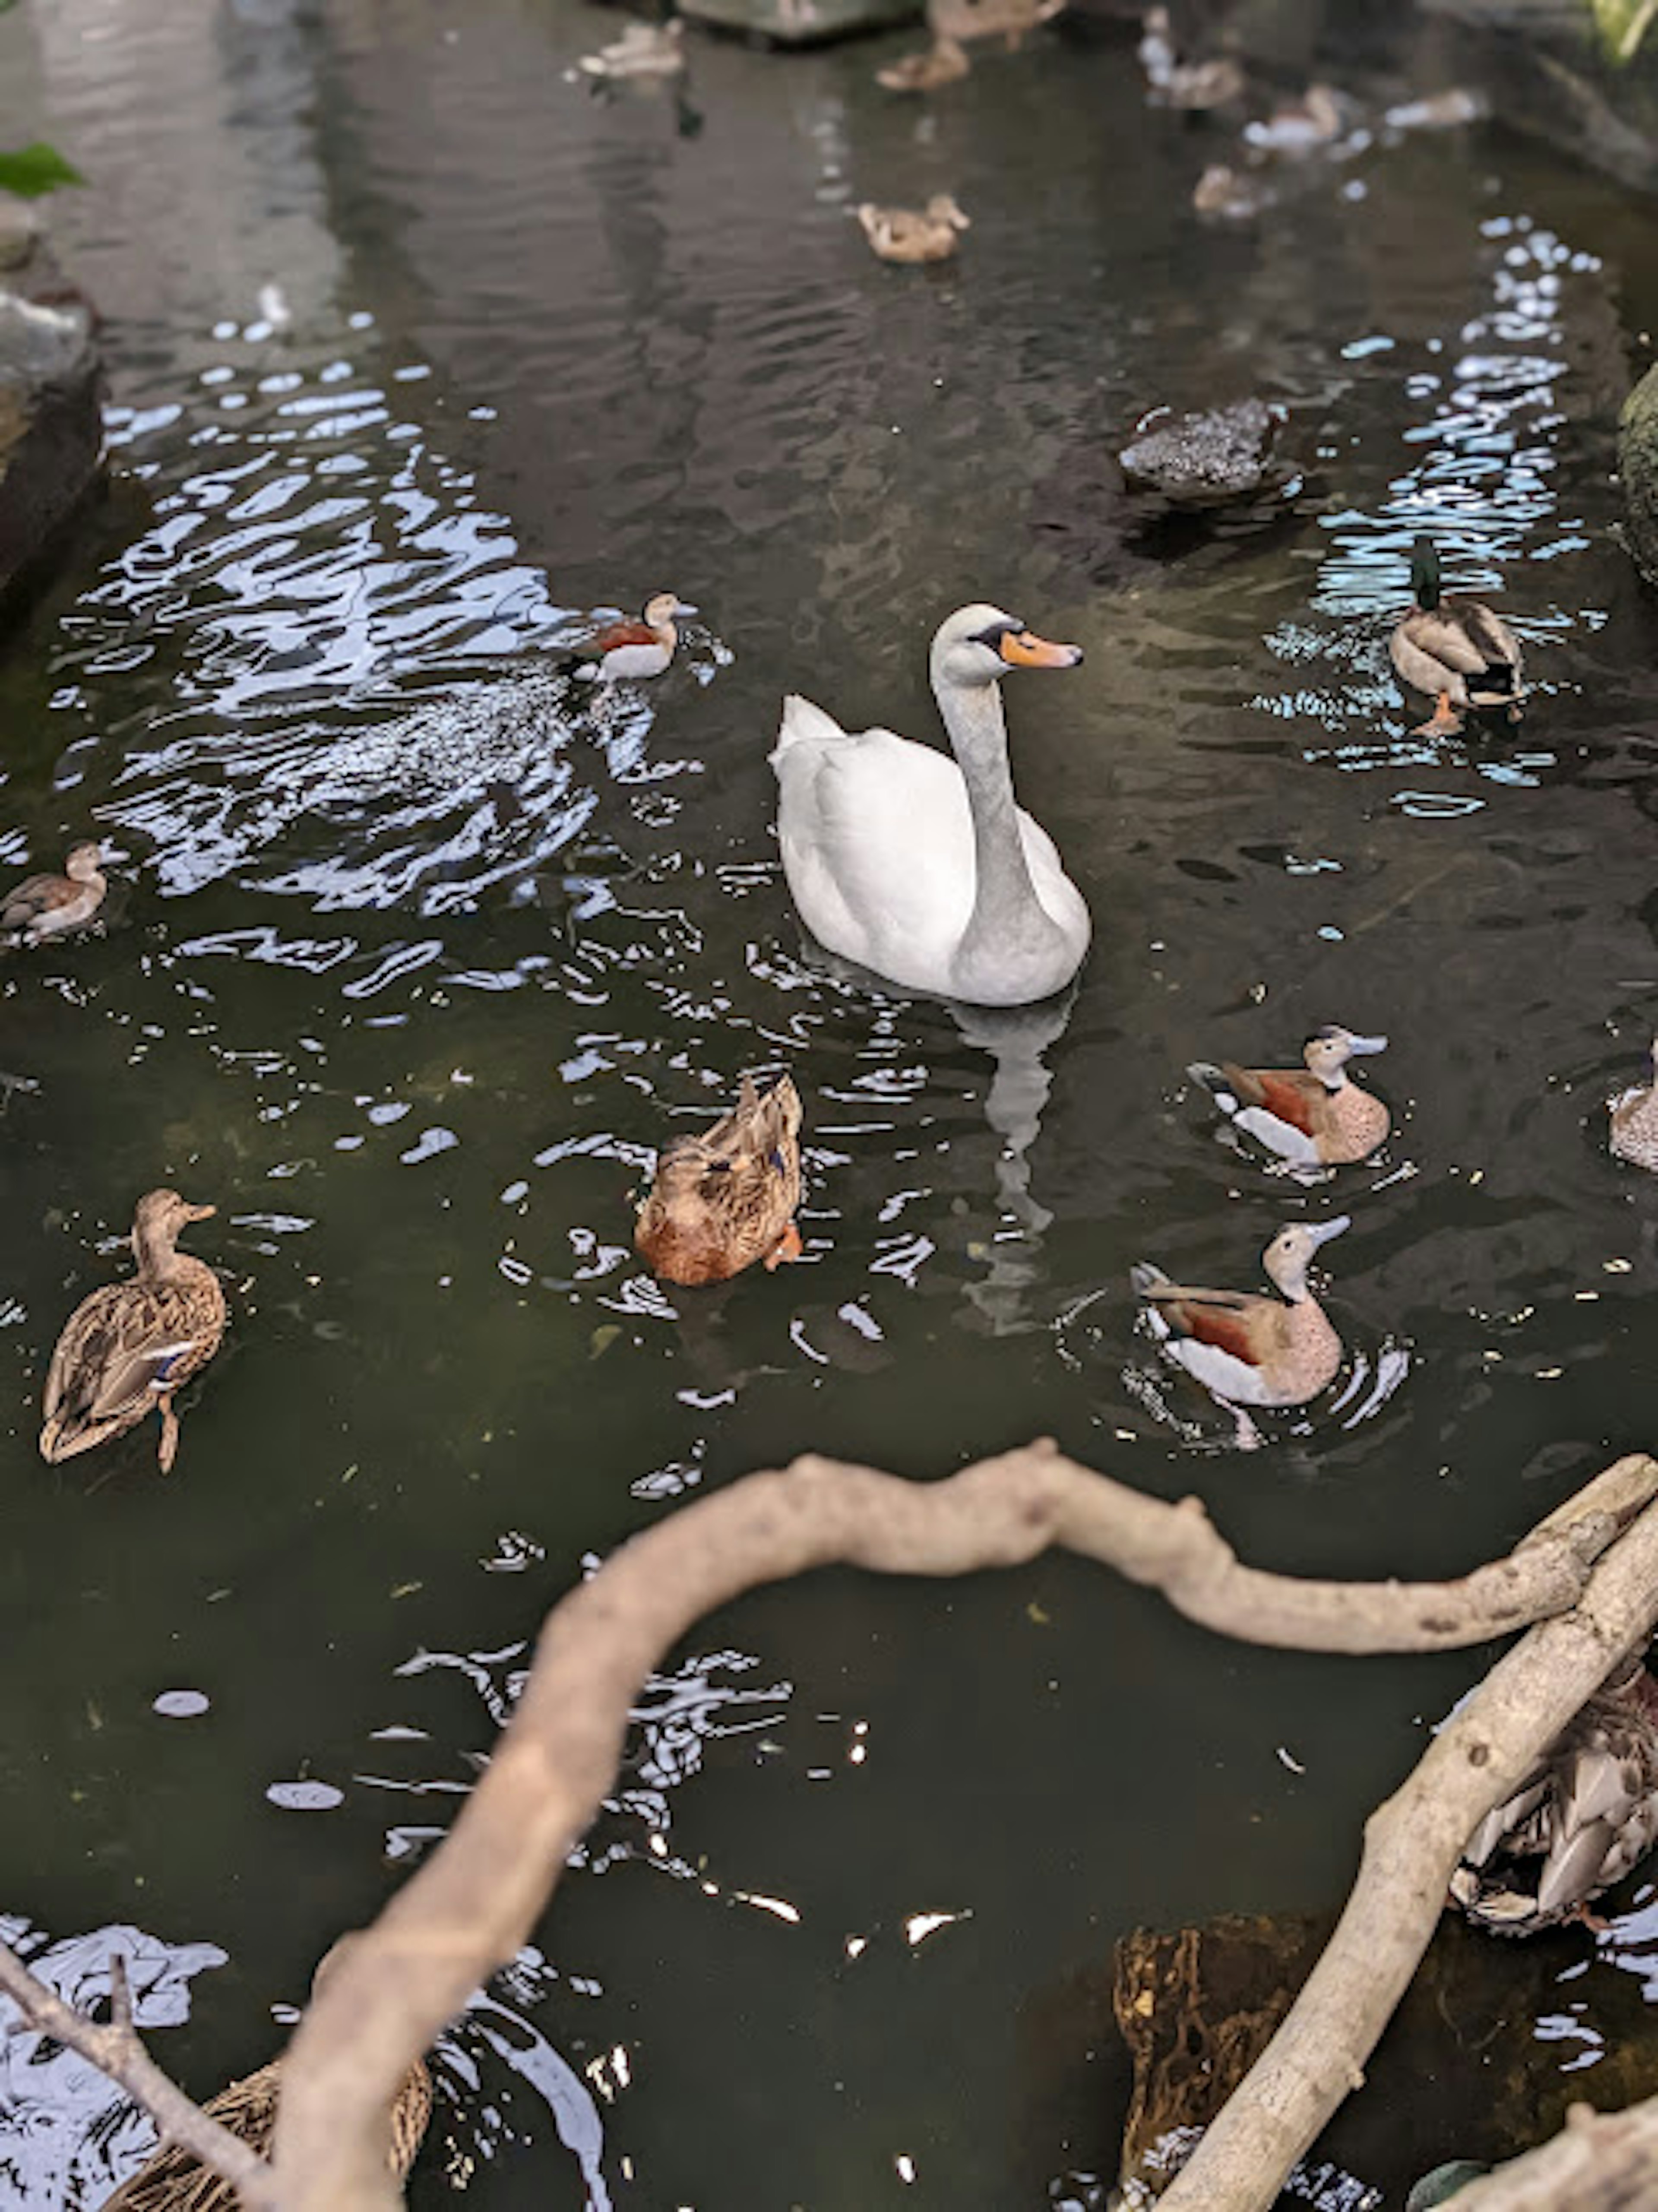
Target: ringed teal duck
(129, 1347)
(1635, 1122)
(633, 650)
(1312, 1117)
(1244, 1348)
(50, 906)
(726, 1197)
(1459, 652)
(1585, 1816)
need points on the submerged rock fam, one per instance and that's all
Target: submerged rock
(1208, 458)
(804, 23)
(1637, 469)
(51, 439)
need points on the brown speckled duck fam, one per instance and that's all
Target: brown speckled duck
(1244, 1348)
(1635, 1122)
(1312, 1115)
(130, 1346)
(1584, 1817)
(945, 62)
(910, 234)
(727, 1198)
(173, 2181)
(51, 905)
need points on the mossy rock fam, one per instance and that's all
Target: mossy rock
(1637, 466)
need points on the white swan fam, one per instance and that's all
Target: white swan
(923, 868)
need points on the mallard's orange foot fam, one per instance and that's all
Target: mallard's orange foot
(1444, 721)
(787, 1247)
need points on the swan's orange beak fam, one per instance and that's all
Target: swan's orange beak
(1022, 649)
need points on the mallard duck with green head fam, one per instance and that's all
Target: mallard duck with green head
(1456, 650)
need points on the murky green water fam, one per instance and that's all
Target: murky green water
(418, 353)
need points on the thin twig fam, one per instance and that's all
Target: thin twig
(118, 2051)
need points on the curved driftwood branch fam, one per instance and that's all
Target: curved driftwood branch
(1597, 2163)
(477, 1900)
(116, 2050)
(1412, 1844)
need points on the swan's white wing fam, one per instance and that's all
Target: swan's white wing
(878, 846)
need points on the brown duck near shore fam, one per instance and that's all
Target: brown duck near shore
(722, 1199)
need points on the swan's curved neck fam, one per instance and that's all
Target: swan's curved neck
(1005, 904)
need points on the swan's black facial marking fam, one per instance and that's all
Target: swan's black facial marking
(992, 633)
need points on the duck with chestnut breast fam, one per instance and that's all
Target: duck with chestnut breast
(922, 868)
(631, 650)
(1244, 1348)
(51, 905)
(1635, 1122)
(724, 1199)
(1455, 650)
(1585, 1816)
(1312, 1115)
(128, 1348)
(175, 2181)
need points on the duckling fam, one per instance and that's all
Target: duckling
(633, 650)
(174, 2181)
(1246, 1349)
(51, 905)
(1312, 1117)
(1581, 1821)
(644, 50)
(1635, 1122)
(1230, 193)
(1299, 127)
(945, 62)
(902, 235)
(129, 1347)
(725, 1199)
(1456, 650)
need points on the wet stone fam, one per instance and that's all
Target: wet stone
(804, 23)
(1637, 469)
(1207, 459)
(52, 448)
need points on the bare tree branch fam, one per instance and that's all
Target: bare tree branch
(118, 2051)
(1598, 2162)
(1412, 1844)
(477, 1900)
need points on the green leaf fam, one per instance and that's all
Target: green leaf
(32, 170)
(1622, 24)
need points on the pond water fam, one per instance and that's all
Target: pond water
(420, 352)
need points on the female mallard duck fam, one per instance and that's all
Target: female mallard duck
(911, 235)
(129, 1347)
(50, 906)
(945, 62)
(922, 868)
(1579, 1822)
(1312, 1117)
(173, 2181)
(725, 1199)
(1246, 1349)
(1635, 1122)
(634, 649)
(1456, 650)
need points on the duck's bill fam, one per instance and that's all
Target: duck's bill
(1023, 648)
(1322, 1232)
(200, 1213)
(1366, 1043)
(685, 607)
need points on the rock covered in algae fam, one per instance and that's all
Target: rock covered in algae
(1206, 459)
(1637, 466)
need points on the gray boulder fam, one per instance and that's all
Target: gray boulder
(51, 434)
(1209, 458)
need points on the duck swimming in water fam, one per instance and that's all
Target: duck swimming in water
(51, 905)
(1244, 1348)
(910, 234)
(1456, 650)
(1312, 1116)
(1585, 1816)
(627, 650)
(724, 1199)
(129, 1348)
(1635, 1122)
(921, 867)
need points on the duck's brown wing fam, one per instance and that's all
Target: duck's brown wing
(621, 634)
(1440, 635)
(1237, 1322)
(1289, 1094)
(118, 1348)
(36, 896)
